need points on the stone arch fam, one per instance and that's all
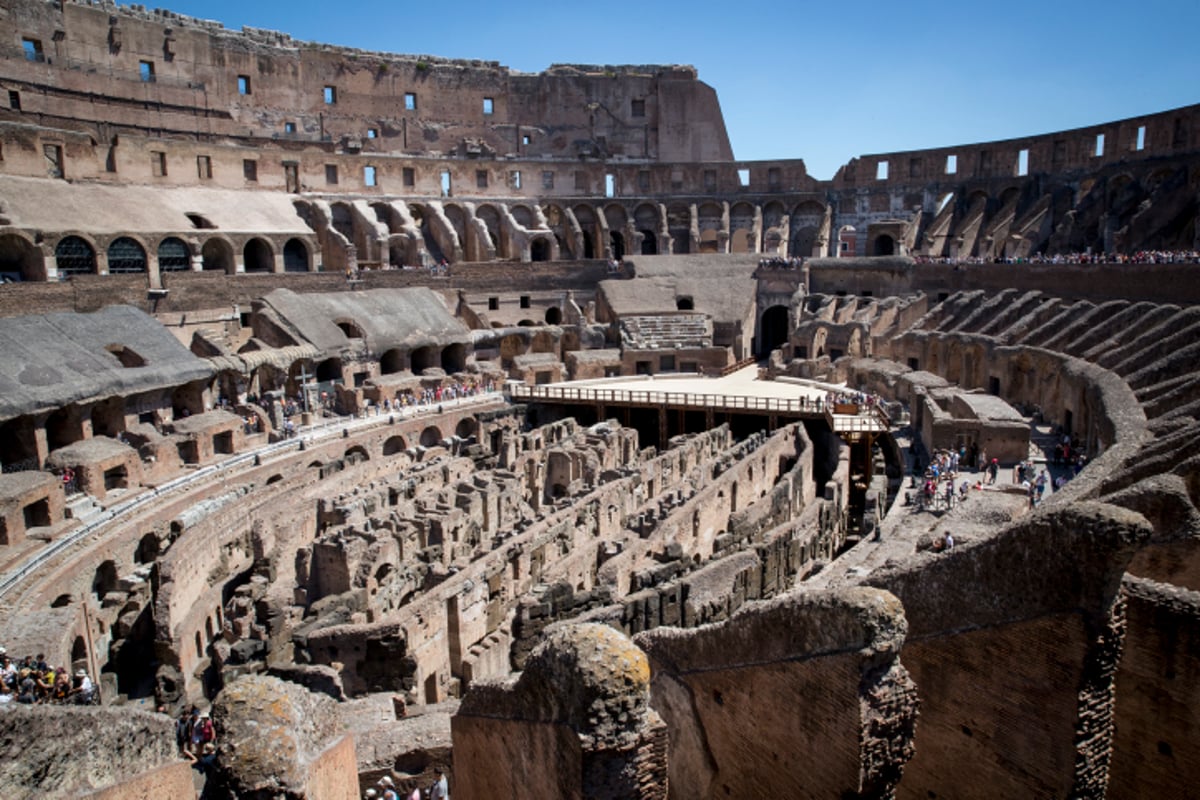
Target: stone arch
(741, 228)
(553, 316)
(585, 215)
(295, 256)
(393, 361)
(126, 256)
(174, 255)
(466, 428)
(431, 436)
(679, 226)
(685, 303)
(148, 549)
(356, 455)
(105, 579)
(884, 245)
(543, 342)
(454, 358)
(75, 256)
(21, 259)
(491, 220)
(556, 221)
(524, 216)
(329, 370)
(394, 445)
(258, 255)
(424, 358)
(773, 329)
(217, 255)
(539, 249)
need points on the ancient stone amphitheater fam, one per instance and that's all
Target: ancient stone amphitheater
(412, 414)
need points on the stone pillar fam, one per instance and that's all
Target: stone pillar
(576, 723)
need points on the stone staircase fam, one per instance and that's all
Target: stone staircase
(666, 331)
(83, 508)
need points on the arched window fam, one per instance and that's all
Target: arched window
(173, 255)
(75, 257)
(217, 255)
(295, 256)
(258, 256)
(126, 256)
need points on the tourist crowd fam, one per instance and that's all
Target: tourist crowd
(33, 681)
(1139, 257)
(779, 262)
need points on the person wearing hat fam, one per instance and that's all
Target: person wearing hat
(387, 789)
(84, 690)
(370, 794)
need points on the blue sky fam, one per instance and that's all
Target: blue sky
(819, 81)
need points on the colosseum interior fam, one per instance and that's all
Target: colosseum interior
(407, 414)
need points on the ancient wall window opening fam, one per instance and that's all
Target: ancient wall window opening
(743, 177)
(525, 302)
(581, 181)
(295, 256)
(685, 303)
(369, 176)
(914, 168)
(408, 177)
(33, 50)
(710, 180)
(489, 106)
(1099, 145)
(257, 256)
(493, 304)
(637, 108)
(53, 154)
(14, 99)
(447, 187)
(243, 84)
(329, 94)
(410, 101)
(126, 256)
(1022, 163)
(289, 127)
(372, 133)
(526, 140)
(610, 185)
(774, 178)
(951, 165)
(146, 71)
(350, 329)
(481, 179)
(1139, 144)
(643, 180)
(204, 167)
(514, 179)
(881, 171)
(158, 163)
(74, 257)
(547, 179)
(250, 169)
(331, 174)
(173, 255)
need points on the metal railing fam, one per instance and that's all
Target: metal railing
(717, 402)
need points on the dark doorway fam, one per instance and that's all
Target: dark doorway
(258, 256)
(539, 250)
(618, 245)
(773, 330)
(649, 243)
(885, 246)
(295, 256)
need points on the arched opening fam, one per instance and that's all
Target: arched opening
(539, 250)
(216, 255)
(126, 256)
(355, 455)
(20, 259)
(75, 257)
(394, 445)
(588, 250)
(108, 417)
(63, 428)
(431, 436)
(773, 331)
(649, 243)
(258, 256)
(465, 428)
(618, 245)
(78, 650)
(173, 255)
(105, 580)
(349, 328)
(491, 220)
(553, 315)
(329, 370)
(62, 601)
(424, 358)
(454, 358)
(684, 303)
(885, 245)
(147, 549)
(295, 256)
(393, 361)
(18, 444)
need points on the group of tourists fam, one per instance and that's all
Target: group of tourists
(779, 262)
(33, 681)
(1138, 257)
(386, 789)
